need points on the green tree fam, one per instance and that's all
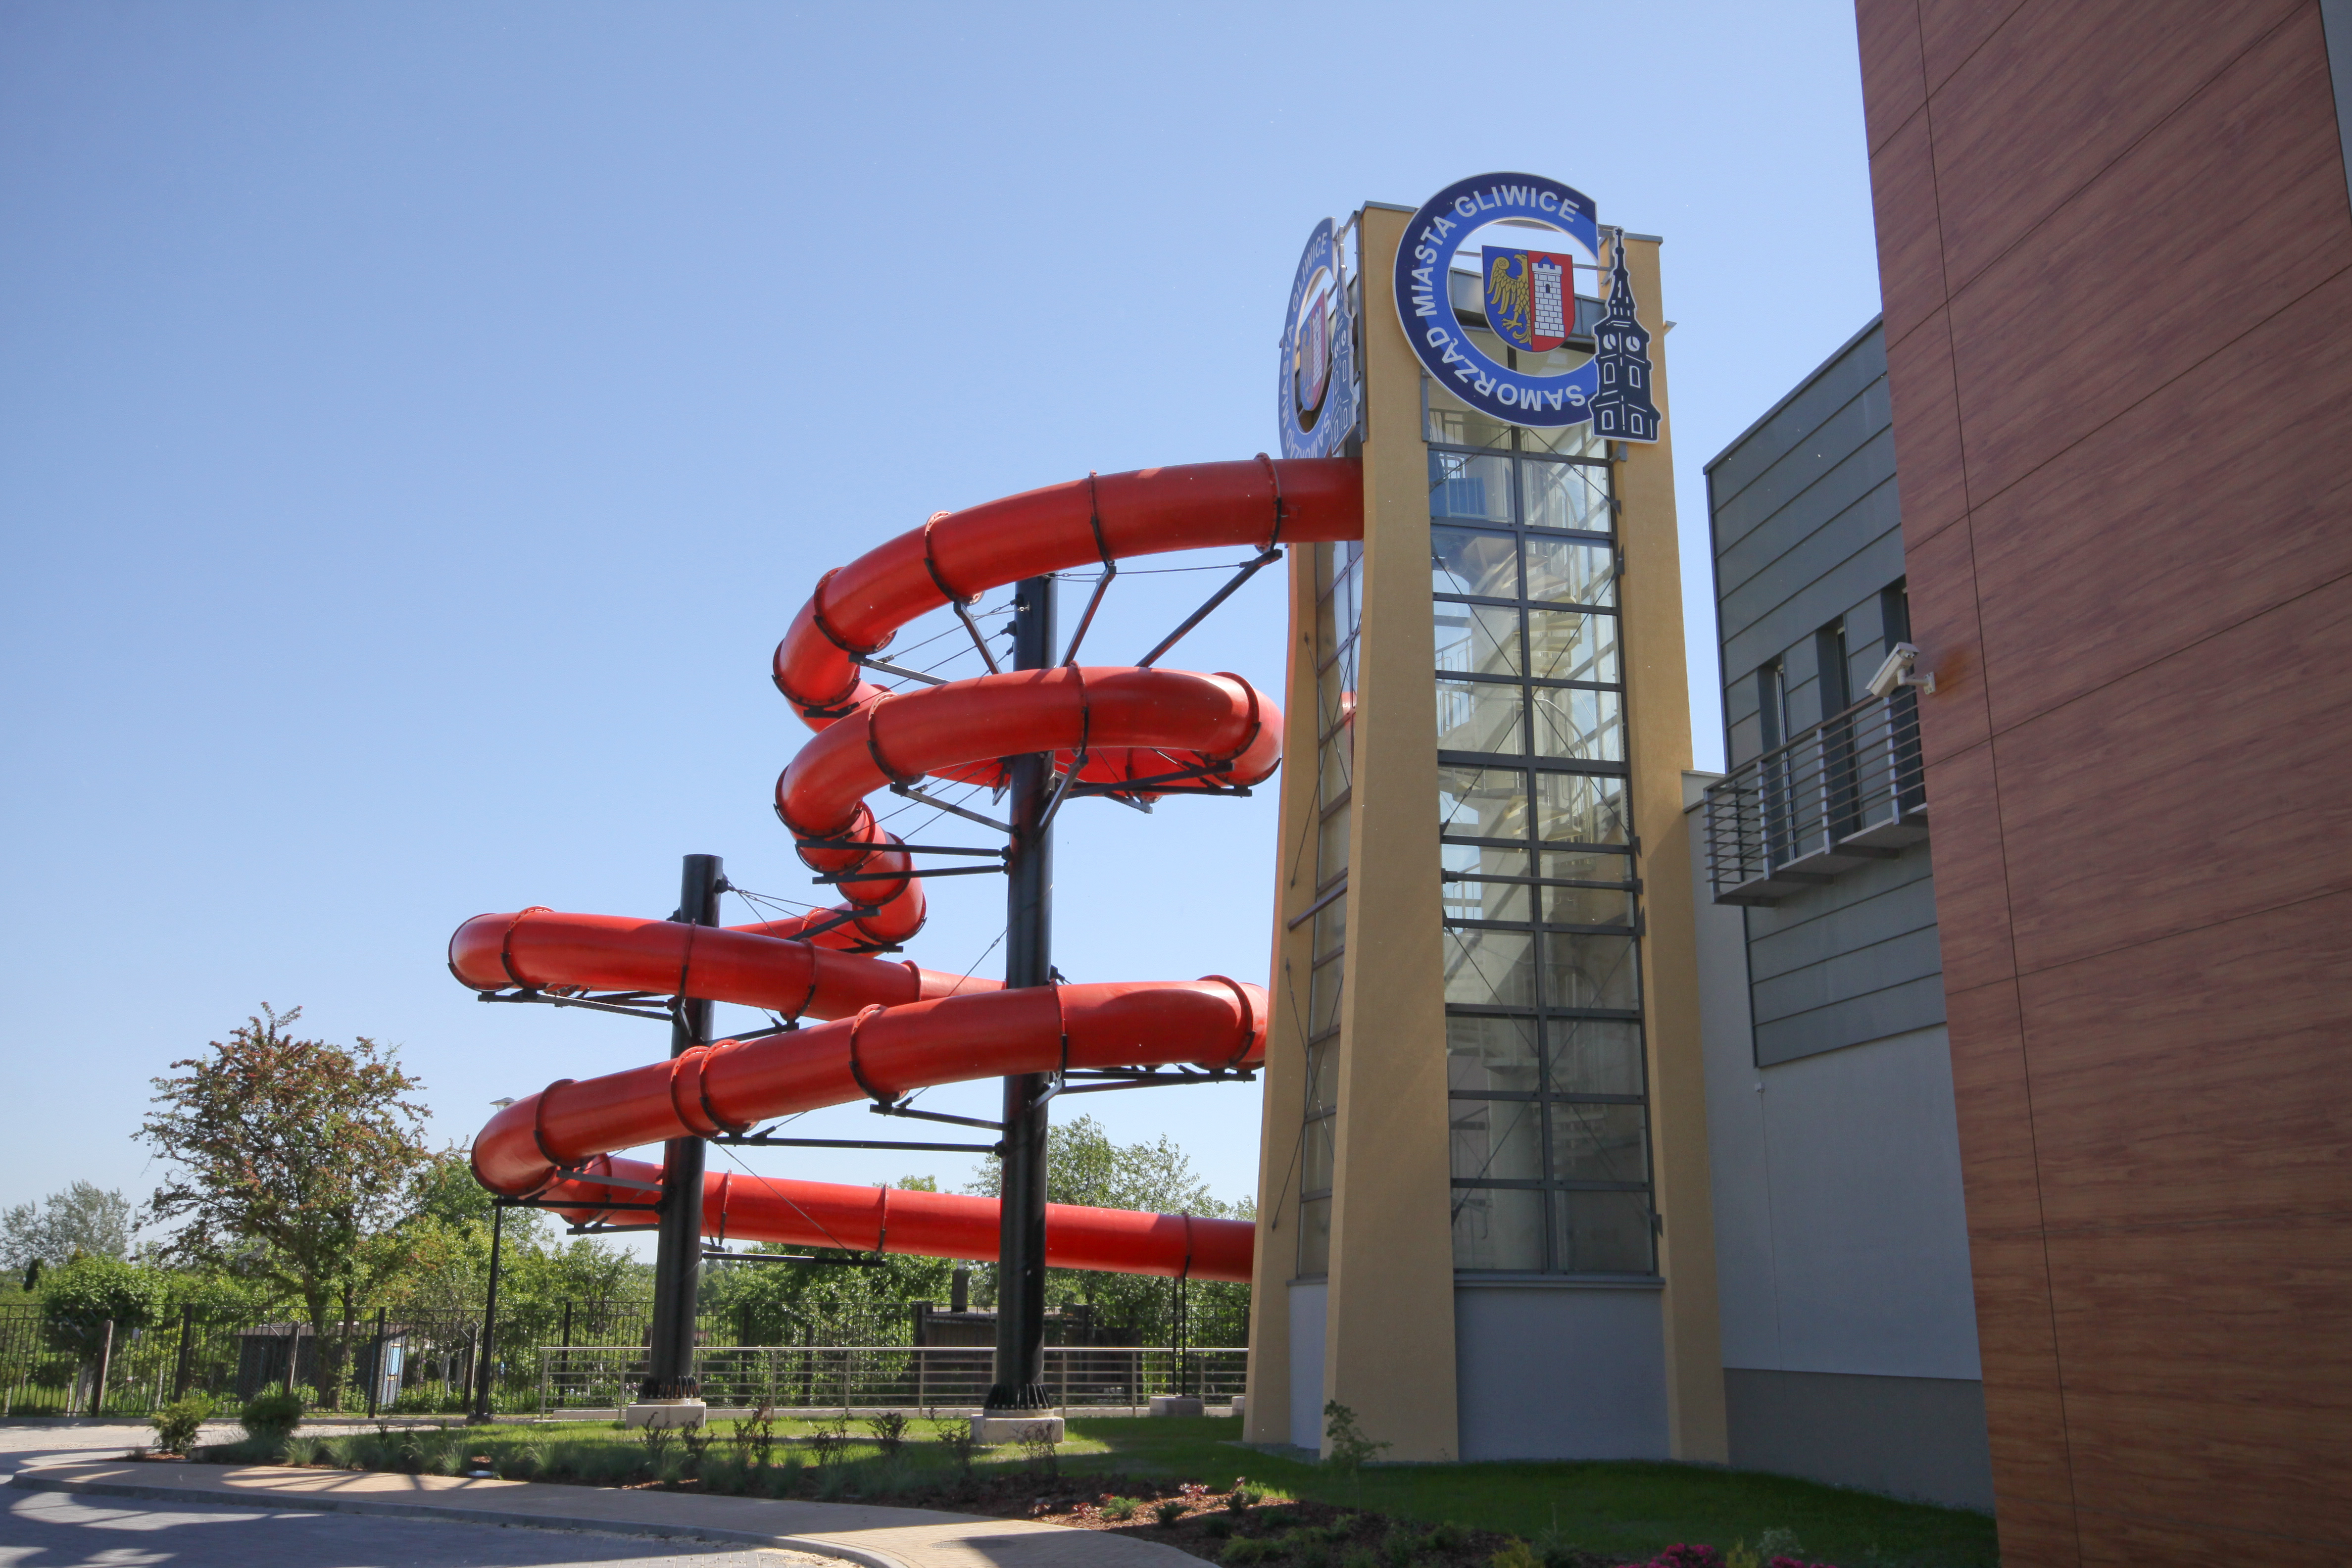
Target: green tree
(84, 1218)
(846, 1301)
(1085, 1166)
(77, 1300)
(297, 1159)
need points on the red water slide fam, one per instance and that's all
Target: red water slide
(895, 1027)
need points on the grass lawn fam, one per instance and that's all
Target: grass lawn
(1625, 1511)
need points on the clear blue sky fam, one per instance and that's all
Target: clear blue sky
(418, 423)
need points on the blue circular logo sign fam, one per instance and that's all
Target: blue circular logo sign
(1316, 410)
(1525, 285)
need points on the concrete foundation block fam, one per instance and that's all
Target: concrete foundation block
(1017, 1426)
(1240, 1405)
(666, 1413)
(1176, 1405)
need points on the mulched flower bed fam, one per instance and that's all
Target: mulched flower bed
(1222, 1525)
(1236, 1526)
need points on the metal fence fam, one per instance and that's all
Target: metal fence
(418, 1361)
(921, 1377)
(556, 1355)
(414, 1361)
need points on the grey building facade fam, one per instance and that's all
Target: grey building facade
(1848, 1317)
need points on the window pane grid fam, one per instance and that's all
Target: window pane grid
(1337, 616)
(1546, 1082)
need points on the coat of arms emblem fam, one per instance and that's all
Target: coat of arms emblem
(1529, 296)
(1311, 369)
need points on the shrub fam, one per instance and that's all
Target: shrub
(956, 1437)
(696, 1440)
(271, 1416)
(889, 1478)
(1119, 1507)
(1218, 1525)
(302, 1451)
(1558, 1553)
(1446, 1537)
(1241, 1499)
(1350, 1449)
(829, 1440)
(1684, 1554)
(1169, 1511)
(614, 1465)
(657, 1440)
(1399, 1547)
(889, 1430)
(1681, 1555)
(755, 1436)
(78, 1298)
(177, 1423)
(1778, 1542)
(1041, 1448)
(1243, 1549)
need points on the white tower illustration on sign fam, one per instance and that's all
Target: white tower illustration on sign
(1549, 288)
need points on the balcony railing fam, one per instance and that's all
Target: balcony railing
(1848, 791)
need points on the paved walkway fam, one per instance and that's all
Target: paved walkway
(57, 1530)
(876, 1537)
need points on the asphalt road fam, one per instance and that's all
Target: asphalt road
(53, 1530)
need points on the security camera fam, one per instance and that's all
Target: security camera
(1897, 671)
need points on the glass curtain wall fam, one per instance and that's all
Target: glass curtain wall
(1545, 1069)
(1338, 613)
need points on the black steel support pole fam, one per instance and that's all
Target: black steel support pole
(1028, 961)
(485, 1373)
(677, 1254)
(375, 1366)
(188, 1348)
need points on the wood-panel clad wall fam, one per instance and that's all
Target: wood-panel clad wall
(2117, 259)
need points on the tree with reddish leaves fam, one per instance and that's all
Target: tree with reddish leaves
(295, 1160)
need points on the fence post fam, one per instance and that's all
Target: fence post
(187, 1344)
(487, 1368)
(375, 1366)
(105, 1358)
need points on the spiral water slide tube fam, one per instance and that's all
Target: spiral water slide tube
(895, 1027)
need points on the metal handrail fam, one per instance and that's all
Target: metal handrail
(833, 1377)
(1833, 797)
